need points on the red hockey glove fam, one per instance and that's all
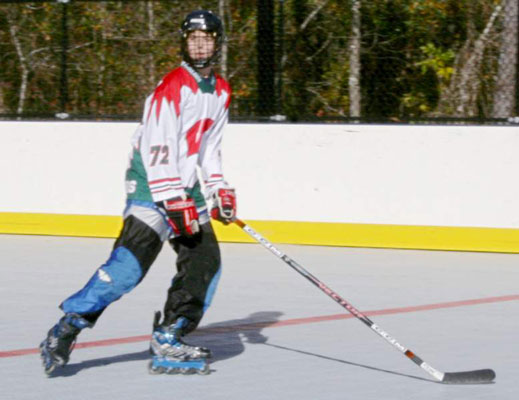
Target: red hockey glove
(181, 215)
(224, 206)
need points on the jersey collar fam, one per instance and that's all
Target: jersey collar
(207, 85)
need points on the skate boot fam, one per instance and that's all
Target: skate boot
(171, 355)
(56, 347)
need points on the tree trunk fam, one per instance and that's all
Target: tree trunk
(354, 48)
(152, 78)
(102, 62)
(461, 97)
(13, 30)
(222, 10)
(505, 89)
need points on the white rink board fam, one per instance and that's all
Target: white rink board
(393, 174)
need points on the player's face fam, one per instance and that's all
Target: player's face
(200, 45)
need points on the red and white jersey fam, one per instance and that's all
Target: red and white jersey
(181, 128)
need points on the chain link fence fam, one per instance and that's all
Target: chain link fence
(410, 61)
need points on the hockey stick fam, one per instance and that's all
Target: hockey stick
(465, 377)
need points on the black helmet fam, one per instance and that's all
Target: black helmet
(202, 20)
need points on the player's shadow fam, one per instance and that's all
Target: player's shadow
(225, 339)
(307, 353)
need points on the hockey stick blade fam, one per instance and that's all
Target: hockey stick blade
(469, 377)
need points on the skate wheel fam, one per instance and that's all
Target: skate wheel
(172, 371)
(155, 370)
(49, 369)
(204, 371)
(186, 371)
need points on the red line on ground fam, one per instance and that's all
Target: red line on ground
(275, 324)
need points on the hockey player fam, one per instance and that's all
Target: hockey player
(181, 129)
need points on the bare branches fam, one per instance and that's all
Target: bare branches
(312, 15)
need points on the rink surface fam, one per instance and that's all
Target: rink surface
(273, 334)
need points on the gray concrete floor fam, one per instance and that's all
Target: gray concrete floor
(273, 334)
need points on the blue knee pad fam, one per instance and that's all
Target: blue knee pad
(121, 273)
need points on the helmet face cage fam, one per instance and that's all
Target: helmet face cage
(206, 21)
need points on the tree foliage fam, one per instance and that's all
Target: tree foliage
(419, 58)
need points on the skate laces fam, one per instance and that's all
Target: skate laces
(170, 334)
(63, 331)
(52, 342)
(173, 332)
(166, 341)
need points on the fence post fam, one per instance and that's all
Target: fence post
(517, 69)
(265, 42)
(279, 57)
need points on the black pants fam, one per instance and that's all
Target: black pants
(193, 287)
(138, 245)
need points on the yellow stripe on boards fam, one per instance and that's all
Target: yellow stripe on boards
(378, 235)
(60, 224)
(311, 233)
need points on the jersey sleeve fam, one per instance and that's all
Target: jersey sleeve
(159, 143)
(211, 156)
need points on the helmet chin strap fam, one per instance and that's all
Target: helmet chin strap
(205, 72)
(201, 63)
(199, 73)
(202, 66)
